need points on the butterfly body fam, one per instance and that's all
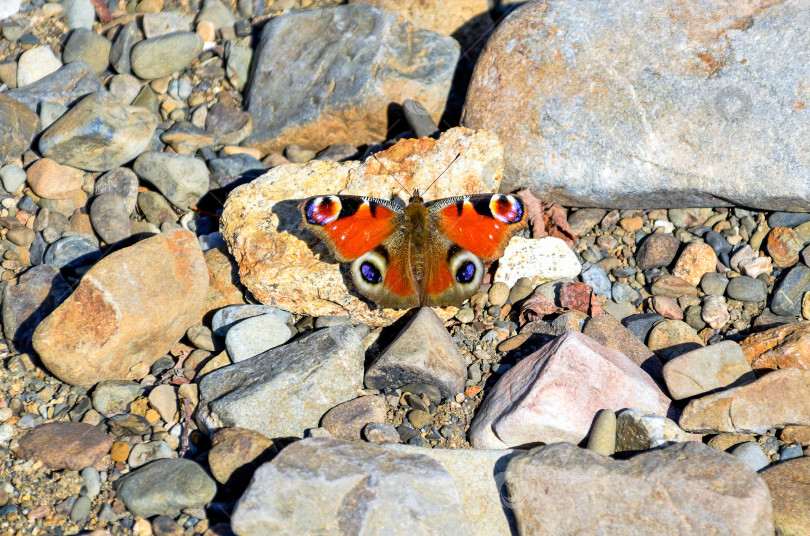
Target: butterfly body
(423, 254)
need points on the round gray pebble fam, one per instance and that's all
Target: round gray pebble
(110, 218)
(747, 289)
(713, 283)
(255, 335)
(91, 482)
(752, 454)
(81, 508)
(12, 177)
(380, 432)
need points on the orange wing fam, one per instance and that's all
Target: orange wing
(481, 224)
(350, 225)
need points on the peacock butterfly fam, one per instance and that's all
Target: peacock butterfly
(423, 254)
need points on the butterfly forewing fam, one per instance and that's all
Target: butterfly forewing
(481, 224)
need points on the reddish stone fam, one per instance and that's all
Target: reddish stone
(66, 445)
(784, 246)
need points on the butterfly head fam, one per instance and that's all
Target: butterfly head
(416, 198)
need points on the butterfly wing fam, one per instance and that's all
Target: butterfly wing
(370, 234)
(481, 224)
(468, 231)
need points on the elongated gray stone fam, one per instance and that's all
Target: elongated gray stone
(64, 86)
(650, 103)
(301, 381)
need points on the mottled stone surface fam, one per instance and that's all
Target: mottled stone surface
(327, 486)
(66, 445)
(650, 103)
(18, 125)
(119, 317)
(788, 482)
(688, 488)
(707, 369)
(301, 381)
(329, 75)
(779, 347)
(98, 134)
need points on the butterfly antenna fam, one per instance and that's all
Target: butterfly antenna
(442, 173)
(391, 174)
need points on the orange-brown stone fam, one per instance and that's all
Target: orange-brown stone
(128, 310)
(780, 347)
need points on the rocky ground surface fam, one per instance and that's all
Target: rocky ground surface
(180, 358)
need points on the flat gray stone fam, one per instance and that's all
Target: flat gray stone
(326, 76)
(256, 335)
(643, 115)
(688, 488)
(65, 86)
(301, 381)
(164, 55)
(423, 352)
(98, 134)
(72, 251)
(165, 487)
(182, 179)
(226, 317)
(322, 486)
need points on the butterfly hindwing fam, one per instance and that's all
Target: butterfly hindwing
(481, 224)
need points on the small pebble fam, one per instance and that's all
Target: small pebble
(752, 454)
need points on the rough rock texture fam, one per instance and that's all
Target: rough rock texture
(777, 399)
(98, 134)
(65, 86)
(650, 103)
(35, 295)
(285, 266)
(301, 381)
(779, 347)
(236, 453)
(707, 369)
(19, 125)
(130, 308)
(789, 483)
(423, 352)
(480, 476)
(554, 394)
(224, 287)
(328, 486)
(329, 75)
(607, 331)
(66, 445)
(688, 488)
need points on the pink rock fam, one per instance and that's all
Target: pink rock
(554, 394)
